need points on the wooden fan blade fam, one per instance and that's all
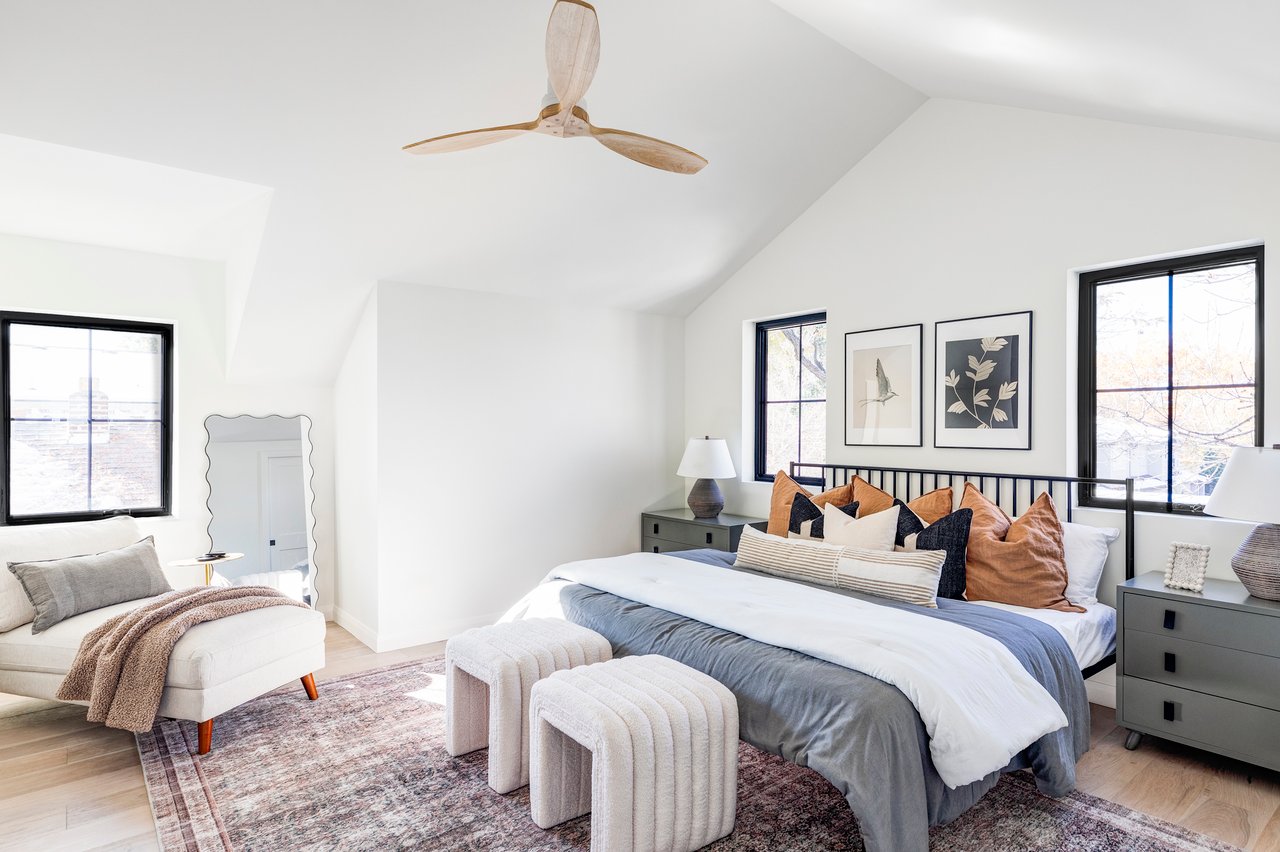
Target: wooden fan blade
(468, 139)
(649, 151)
(573, 49)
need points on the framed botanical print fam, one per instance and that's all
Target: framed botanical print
(884, 387)
(982, 397)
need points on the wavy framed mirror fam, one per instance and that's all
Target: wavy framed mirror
(260, 502)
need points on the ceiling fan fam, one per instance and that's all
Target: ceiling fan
(573, 51)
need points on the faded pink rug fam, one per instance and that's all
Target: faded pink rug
(365, 768)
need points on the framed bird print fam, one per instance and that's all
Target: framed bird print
(883, 386)
(982, 399)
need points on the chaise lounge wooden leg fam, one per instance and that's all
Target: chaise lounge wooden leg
(205, 734)
(309, 684)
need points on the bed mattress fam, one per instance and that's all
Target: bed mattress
(1090, 634)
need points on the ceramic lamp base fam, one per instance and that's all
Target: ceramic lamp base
(1257, 562)
(705, 499)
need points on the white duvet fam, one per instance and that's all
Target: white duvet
(979, 705)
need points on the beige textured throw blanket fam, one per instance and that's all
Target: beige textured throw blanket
(121, 666)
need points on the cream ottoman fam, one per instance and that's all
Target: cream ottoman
(489, 672)
(646, 744)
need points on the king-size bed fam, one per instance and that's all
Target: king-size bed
(911, 712)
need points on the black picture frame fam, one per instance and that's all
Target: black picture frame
(881, 338)
(955, 435)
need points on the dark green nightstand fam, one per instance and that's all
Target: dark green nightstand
(667, 530)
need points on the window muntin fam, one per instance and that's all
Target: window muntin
(86, 409)
(1170, 375)
(791, 393)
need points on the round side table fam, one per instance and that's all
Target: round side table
(207, 563)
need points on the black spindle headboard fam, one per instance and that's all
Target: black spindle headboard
(1012, 492)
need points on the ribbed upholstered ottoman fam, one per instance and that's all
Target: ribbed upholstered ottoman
(646, 744)
(488, 674)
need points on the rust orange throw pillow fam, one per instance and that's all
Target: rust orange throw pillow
(930, 508)
(1016, 562)
(785, 490)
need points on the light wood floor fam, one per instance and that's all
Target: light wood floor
(66, 784)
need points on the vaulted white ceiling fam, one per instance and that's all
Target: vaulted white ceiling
(311, 101)
(268, 133)
(1188, 64)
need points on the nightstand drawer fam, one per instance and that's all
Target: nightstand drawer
(649, 544)
(1237, 675)
(1248, 732)
(694, 535)
(1196, 622)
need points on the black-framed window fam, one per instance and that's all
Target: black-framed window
(87, 409)
(791, 393)
(1170, 375)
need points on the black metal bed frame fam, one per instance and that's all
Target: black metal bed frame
(1012, 492)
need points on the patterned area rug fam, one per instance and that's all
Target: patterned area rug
(365, 768)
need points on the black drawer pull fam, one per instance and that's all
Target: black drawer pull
(1169, 615)
(708, 538)
(655, 529)
(655, 548)
(1170, 662)
(1168, 711)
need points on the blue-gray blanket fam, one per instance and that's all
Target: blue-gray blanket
(861, 734)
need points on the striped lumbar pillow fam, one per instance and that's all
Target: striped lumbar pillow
(794, 559)
(911, 577)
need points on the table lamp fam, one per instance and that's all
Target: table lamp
(1247, 491)
(706, 459)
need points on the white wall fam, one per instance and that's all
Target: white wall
(970, 209)
(512, 435)
(355, 398)
(43, 275)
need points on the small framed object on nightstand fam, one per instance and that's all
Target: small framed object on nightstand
(667, 530)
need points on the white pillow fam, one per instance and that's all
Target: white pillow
(40, 542)
(1086, 550)
(911, 577)
(872, 532)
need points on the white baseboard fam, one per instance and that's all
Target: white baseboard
(427, 634)
(356, 627)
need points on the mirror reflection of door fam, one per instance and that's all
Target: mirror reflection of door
(258, 470)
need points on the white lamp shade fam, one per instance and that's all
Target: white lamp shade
(1247, 489)
(706, 458)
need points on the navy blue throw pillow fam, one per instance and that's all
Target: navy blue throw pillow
(803, 509)
(950, 534)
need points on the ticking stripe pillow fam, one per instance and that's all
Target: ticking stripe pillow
(911, 577)
(794, 559)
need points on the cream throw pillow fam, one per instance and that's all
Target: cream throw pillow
(873, 532)
(911, 577)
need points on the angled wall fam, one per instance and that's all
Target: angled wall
(510, 435)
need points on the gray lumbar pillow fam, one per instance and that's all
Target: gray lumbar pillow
(61, 588)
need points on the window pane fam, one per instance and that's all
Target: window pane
(48, 371)
(782, 424)
(126, 465)
(1133, 435)
(813, 433)
(1133, 334)
(1214, 325)
(813, 366)
(127, 375)
(50, 468)
(784, 363)
(1207, 424)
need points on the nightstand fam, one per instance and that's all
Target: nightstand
(1202, 669)
(667, 530)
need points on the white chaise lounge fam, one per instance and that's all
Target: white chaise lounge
(214, 667)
